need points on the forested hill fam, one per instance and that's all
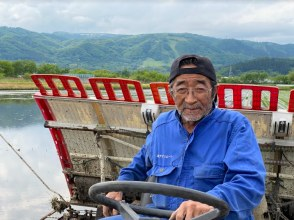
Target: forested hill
(118, 52)
(270, 65)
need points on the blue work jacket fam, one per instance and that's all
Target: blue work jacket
(220, 157)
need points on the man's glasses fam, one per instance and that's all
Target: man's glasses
(196, 91)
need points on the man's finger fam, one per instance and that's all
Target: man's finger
(173, 215)
(106, 211)
(114, 212)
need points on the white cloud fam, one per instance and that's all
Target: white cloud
(82, 19)
(253, 20)
(18, 14)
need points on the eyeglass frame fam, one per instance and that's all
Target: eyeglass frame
(196, 91)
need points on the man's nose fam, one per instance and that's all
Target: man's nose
(190, 97)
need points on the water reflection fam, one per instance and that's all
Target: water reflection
(19, 113)
(23, 196)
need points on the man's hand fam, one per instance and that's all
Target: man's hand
(109, 211)
(190, 209)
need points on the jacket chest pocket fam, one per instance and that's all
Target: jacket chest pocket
(207, 176)
(162, 174)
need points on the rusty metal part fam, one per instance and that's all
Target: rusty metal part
(59, 205)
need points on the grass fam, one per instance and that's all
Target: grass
(16, 84)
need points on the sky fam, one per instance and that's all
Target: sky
(255, 20)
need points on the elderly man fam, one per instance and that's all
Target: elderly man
(201, 147)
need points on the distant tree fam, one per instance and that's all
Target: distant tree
(254, 77)
(27, 76)
(48, 68)
(125, 73)
(80, 71)
(218, 75)
(24, 66)
(281, 79)
(105, 73)
(291, 76)
(64, 70)
(233, 79)
(7, 69)
(273, 74)
(146, 76)
(18, 67)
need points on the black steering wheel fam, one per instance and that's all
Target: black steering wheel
(129, 211)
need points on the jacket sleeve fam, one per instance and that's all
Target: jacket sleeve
(137, 169)
(244, 182)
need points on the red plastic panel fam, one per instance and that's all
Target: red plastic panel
(124, 86)
(156, 94)
(44, 107)
(255, 97)
(57, 138)
(55, 91)
(63, 155)
(291, 101)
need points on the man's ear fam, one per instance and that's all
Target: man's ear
(214, 96)
(171, 92)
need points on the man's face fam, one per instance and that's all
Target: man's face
(193, 97)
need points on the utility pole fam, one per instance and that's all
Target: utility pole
(230, 71)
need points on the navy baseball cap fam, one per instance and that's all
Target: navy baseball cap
(203, 67)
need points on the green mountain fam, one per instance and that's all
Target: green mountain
(270, 65)
(118, 52)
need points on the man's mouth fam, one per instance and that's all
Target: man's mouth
(194, 108)
(190, 110)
